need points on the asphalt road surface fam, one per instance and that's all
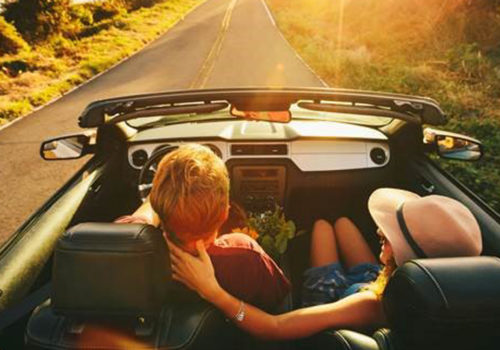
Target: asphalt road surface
(222, 43)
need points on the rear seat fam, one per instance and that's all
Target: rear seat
(447, 303)
(111, 289)
(433, 304)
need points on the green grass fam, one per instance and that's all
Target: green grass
(447, 50)
(36, 75)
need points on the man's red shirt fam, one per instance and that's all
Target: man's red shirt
(242, 268)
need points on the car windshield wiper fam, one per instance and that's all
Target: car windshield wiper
(347, 118)
(405, 110)
(122, 113)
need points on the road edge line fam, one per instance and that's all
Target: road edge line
(273, 21)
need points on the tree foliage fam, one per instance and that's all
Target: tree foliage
(136, 4)
(37, 19)
(10, 40)
(106, 9)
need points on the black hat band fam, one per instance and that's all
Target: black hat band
(407, 235)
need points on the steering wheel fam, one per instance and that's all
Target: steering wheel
(148, 171)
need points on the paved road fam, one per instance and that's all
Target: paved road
(221, 43)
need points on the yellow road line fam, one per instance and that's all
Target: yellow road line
(209, 63)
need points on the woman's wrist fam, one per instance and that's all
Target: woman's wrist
(225, 302)
(213, 293)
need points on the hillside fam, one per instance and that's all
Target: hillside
(47, 48)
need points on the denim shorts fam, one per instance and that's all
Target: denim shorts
(329, 283)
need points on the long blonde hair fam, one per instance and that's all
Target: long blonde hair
(378, 286)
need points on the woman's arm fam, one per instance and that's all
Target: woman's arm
(356, 311)
(146, 211)
(143, 215)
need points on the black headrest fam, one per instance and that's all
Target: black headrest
(110, 269)
(435, 301)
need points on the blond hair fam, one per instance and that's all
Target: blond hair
(378, 286)
(190, 192)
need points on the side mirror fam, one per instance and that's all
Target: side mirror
(453, 146)
(67, 147)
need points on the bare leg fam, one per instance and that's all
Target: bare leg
(351, 244)
(323, 244)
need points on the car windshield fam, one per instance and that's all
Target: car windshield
(366, 120)
(150, 122)
(297, 114)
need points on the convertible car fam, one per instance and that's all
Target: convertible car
(72, 279)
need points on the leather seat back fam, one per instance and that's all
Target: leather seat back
(444, 303)
(112, 290)
(111, 270)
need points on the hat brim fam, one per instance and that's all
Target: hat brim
(382, 205)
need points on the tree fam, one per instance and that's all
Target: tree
(37, 19)
(10, 40)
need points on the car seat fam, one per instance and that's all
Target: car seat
(447, 303)
(111, 289)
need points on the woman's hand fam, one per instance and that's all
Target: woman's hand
(196, 273)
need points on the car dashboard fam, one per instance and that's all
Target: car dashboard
(263, 158)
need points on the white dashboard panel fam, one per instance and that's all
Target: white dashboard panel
(327, 147)
(336, 154)
(308, 155)
(329, 162)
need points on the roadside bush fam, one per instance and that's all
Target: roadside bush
(10, 40)
(96, 28)
(81, 14)
(137, 4)
(62, 46)
(13, 110)
(469, 61)
(106, 9)
(14, 67)
(37, 19)
(4, 83)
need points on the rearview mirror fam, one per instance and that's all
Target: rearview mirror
(268, 116)
(67, 147)
(454, 146)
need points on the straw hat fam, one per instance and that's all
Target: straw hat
(424, 227)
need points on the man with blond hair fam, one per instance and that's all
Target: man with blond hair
(189, 201)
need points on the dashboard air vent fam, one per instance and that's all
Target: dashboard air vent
(378, 156)
(139, 158)
(259, 150)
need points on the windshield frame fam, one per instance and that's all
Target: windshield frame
(414, 109)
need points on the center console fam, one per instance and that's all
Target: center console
(259, 188)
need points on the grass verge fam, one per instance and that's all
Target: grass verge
(447, 50)
(50, 69)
